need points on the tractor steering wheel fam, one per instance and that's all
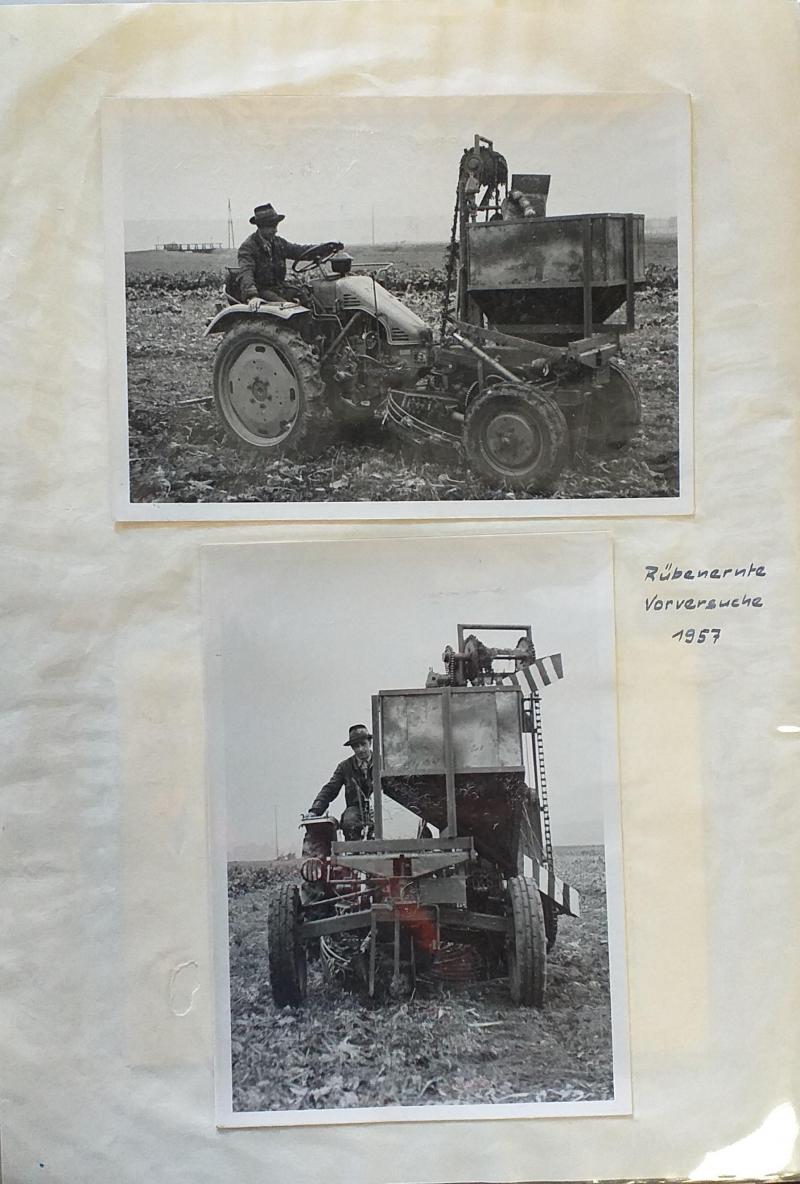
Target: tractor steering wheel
(309, 260)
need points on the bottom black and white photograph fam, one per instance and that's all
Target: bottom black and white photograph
(415, 831)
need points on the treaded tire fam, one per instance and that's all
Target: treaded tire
(616, 413)
(550, 922)
(296, 355)
(516, 435)
(527, 958)
(287, 952)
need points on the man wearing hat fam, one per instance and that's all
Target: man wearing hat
(355, 774)
(262, 257)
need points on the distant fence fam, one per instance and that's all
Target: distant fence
(198, 248)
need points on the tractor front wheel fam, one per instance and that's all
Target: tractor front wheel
(527, 957)
(287, 952)
(266, 380)
(517, 435)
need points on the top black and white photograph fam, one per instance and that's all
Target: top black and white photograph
(352, 308)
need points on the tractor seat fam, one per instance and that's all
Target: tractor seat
(232, 285)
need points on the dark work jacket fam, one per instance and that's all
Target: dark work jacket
(357, 786)
(263, 265)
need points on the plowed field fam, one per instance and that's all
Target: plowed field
(179, 453)
(456, 1044)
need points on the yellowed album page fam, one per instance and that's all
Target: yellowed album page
(119, 586)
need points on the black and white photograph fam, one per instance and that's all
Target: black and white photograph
(417, 885)
(331, 307)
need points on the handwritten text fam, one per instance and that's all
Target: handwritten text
(671, 571)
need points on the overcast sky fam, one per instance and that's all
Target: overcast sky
(329, 163)
(301, 636)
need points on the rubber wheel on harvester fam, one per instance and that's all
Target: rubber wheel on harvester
(517, 435)
(527, 958)
(550, 922)
(266, 381)
(287, 952)
(616, 413)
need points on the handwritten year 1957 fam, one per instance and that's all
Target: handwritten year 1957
(697, 636)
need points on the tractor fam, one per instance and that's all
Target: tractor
(475, 893)
(524, 375)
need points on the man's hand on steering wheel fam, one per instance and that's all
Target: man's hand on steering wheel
(315, 257)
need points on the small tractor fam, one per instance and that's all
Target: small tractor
(475, 894)
(525, 375)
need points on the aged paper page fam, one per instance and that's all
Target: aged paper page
(108, 1025)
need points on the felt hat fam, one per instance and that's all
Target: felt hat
(357, 732)
(266, 214)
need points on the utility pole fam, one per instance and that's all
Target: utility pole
(373, 226)
(275, 809)
(231, 242)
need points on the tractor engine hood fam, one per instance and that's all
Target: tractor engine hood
(403, 327)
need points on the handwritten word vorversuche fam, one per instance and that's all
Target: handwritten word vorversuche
(670, 571)
(657, 604)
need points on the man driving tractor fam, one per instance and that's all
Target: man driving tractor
(355, 775)
(262, 258)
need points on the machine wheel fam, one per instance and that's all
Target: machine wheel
(527, 959)
(550, 922)
(266, 379)
(616, 413)
(516, 434)
(287, 953)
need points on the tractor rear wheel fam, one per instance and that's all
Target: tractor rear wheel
(616, 413)
(266, 381)
(527, 957)
(517, 435)
(550, 922)
(287, 952)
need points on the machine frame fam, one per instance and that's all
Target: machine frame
(424, 887)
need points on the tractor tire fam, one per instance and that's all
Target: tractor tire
(266, 382)
(616, 414)
(550, 922)
(527, 957)
(287, 952)
(517, 436)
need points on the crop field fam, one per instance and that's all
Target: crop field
(179, 452)
(408, 256)
(458, 1044)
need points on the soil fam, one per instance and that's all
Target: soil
(179, 452)
(455, 1044)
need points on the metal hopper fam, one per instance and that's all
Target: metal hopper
(550, 278)
(471, 736)
(465, 753)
